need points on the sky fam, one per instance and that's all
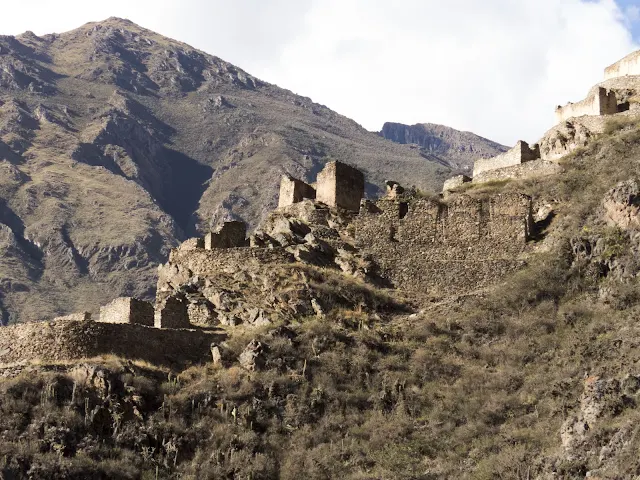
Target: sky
(497, 68)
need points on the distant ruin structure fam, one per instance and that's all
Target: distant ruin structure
(293, 191)
(426, 245)
(455, 182)
(340, 185)
(600, 101)
(127, 310)
(576, 124)
(228, 235)
(629, 65)
(519, 154)
(394, 189)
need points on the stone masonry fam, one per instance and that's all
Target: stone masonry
(521, 153)
(172, 312)
(426, 246)
(66, 340)
(600, 101)
(293, 191)
(228, 235)
(455, 182)
(340, 185)
(127, 310)
(532, 169)
(629, 65)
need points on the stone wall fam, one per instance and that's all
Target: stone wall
(78, 317)
(629, 65)
(172, 312)
(293, 191)
(127, 310)
(455, 182)
(426, 246)
(232, 260)
(535, 168)
(519, 154)
(600, 101)
(71, 340)
(340, 185)
(228, 235)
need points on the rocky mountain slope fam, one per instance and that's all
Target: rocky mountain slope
(443, 145)
(537, 377)
(116, 143)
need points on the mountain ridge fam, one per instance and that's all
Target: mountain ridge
(456, 149)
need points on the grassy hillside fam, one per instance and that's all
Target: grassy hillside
(537, 378)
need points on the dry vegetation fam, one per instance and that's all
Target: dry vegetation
(477, 388)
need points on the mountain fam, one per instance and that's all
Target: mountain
(443, 145)
(117, 143)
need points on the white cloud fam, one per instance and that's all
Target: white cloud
(495, 67)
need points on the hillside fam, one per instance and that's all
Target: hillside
(117, 143)
(535, 378)
(443, 145)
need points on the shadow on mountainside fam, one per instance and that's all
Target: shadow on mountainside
(184, 189)
(15, 223)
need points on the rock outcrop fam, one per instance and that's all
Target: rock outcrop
(445, 145)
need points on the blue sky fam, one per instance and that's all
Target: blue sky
(631, 9)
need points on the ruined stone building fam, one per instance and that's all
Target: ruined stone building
(427, 245)
(293, 191)
(340, 185)
(629, 65)
(127, 310)
(600, 101)
(420, 245)
(575, 125)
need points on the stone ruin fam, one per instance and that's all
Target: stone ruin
(629, 65)
(576, 124)
(600, 101)
(455, 182)
(340, 185)
(519, 154)
(293, 191)
(172, 312)
(75, 317)
(127, 310)
(228, 235)
(424, 244)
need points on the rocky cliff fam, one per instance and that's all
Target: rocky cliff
(443, 145)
